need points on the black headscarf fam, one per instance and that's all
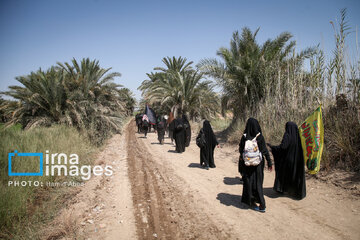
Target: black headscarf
(253, 176)
(207, 152)
(252, 128)
(211, 141)
(289, 163)
(187, 130)
(179, 135)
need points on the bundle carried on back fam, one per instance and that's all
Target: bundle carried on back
(252, 155)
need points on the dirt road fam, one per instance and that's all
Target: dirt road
(160, 194)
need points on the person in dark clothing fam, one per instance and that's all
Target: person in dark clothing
(138, 120)
(161, 130)
(289, 163)
(145, 124)
(171, 123)
(166, 117)
(187, 130)
(253, 176)
(207, 152)
(179, 135)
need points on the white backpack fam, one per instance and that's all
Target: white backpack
(252, 156)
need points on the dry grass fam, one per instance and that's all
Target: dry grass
(341, 138)
(22, 208)
(65, 228)
(342, 129)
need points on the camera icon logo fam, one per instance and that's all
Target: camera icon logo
(15, 153)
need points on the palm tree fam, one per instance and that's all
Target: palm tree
(128, 99)
(175, 64)
(82, 95)
(248, 70)
(179, 88)
(41, 101)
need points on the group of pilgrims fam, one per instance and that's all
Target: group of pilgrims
(288, 156)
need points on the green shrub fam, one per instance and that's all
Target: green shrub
(18, 204)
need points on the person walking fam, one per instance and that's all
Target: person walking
(253, 152)
(161, 130)
(171, 128)
(209, 142)
(289, 163)
(145, 124)
(179, 135)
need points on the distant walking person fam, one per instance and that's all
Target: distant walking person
(289, 163)
(179, 135)
(171, 128)
(208, 143)
(138, 120)
(161, 130)
(253, 150)
(187, 130)
(145, 124)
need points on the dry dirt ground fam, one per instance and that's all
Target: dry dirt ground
(156, 193)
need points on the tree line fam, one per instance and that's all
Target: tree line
(273, 82)
(80, 94)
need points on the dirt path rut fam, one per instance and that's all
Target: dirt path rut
(162, 209)
(156, 193)
(180, 200)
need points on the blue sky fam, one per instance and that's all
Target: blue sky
(133, 36)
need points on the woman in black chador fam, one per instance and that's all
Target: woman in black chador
(179, 135)
(187, 130)
(171, 123)
(253, 176)
(289, 163)
(207, 152)
(161, 130)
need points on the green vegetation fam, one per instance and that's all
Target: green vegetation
(220, 123)
(269, 82)
(82, 95)
(19, 205)
(69, 108)
(251, 73)
(72, 107)
(180, 89)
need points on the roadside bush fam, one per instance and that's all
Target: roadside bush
(342, 135)
(19, 204)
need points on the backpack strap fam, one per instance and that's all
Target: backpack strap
(256, 136)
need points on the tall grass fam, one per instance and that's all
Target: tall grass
(220, 123)
(332, 82)
(18, 204)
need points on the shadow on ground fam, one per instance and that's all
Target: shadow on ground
(232, 180)
(231, 200)
(172, 151)
(195, 165)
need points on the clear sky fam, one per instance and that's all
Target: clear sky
(133, 36)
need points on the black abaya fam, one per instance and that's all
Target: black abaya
(179, 135)
(138, 119)
(187, 129)
(289, 163)
(253, 176)
(172, 130)
(161, 130)
(207, 152)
